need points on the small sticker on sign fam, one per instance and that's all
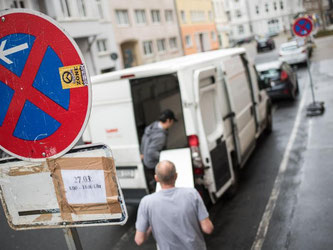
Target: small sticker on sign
(73, 76)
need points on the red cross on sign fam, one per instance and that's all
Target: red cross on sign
(45, 92)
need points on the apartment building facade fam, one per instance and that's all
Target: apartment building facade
(221, 21)
(248, 18)
(146, 31)
(197, 25)
(87, 22)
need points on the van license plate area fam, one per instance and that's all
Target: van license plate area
(125, 173)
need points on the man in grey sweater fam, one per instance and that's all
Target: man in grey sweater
(177, 217)
(153, 142)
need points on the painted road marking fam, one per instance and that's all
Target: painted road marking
(7, 52)
(266, 218)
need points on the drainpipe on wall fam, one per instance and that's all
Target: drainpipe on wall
(179, 30)
(249, 16)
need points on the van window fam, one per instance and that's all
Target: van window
(150, 97)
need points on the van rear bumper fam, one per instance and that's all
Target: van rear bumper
(133, 196)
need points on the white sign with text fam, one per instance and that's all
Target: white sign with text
(84, 186)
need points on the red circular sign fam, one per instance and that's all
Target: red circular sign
(38, 117)
(302, 27)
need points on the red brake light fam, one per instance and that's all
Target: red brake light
(193, 141)
(284, 75)
(198, 171)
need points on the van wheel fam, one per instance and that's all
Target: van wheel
(204, 195)
(269, 120)
(231, 192)
(297, 87)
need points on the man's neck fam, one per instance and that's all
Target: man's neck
(162, 125)
(166, 186)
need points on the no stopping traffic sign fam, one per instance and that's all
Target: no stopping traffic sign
(44, 87)
(302, 27)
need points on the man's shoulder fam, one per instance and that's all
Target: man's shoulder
(187, 191)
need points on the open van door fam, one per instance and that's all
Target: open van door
(210, 127)
(242, 104)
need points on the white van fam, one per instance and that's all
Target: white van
(220, 110)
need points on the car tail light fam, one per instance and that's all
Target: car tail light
(198, 167)
(284, 75)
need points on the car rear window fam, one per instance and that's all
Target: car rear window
(272, 74)
(289, 48)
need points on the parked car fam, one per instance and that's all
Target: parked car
(264, 43)
(279, 79)
(293, 53)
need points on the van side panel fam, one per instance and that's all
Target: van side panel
(112, 122)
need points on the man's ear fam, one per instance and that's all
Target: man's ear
(156, 178)
(176, 176)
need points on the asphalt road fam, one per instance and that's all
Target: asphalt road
(237, 220)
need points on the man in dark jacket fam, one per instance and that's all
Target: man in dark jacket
(153, 142)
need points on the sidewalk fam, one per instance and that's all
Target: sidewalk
(312, 224)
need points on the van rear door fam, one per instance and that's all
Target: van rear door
(242, 105)
(210, 126)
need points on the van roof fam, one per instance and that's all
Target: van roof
(167, 66)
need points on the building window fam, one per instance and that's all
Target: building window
(257, 9)
(281, 5)
(17, 4)
(82, 8)
(101, 45)
(182, 14)
(169, 16)
(173, 43)
(228, 16)
(155, 16)
(100, 9)
(240, 29)
(238, 14)
(148, 48)
(65, 8)
(266, 7)
(197, 16)
(188, 41)
(275, 6)
(140, 16)
(210, 16)
(122, 17)
(161, 45)
(213, 35)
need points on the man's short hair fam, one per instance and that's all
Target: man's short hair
(166, 172)
(167, 114)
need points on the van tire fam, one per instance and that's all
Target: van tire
(269, 120)
(204, 195)
(232, 190)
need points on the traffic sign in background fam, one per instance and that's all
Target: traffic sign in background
(302, 27)
(44, 87)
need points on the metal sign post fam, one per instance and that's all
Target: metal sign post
(302, 27)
